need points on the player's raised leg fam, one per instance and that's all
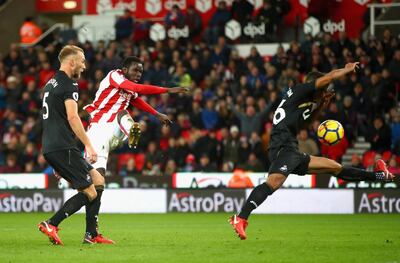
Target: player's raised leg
(127, 128)
(324, 165)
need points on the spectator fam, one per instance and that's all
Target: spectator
(253, 164)
(394, 66)
(193, 21)
(124, 26)
(11, 165)
(251, 120)
(205, 165)
(307, 145)
(45, 74)
(231, 146)
(218, 21)
(268, 16)
(190, 163)
(394, 115)
(174, 17)
(242, 11)
(153, 156)
(379, 135)
(206, 145)
(130, 168)
(209, 115)
(29, 31)
(170, 168)
(356, 162)
(393, 166)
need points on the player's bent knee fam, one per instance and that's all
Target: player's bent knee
(90, 192)
(102, 171)
(335, 166)
(121, 114)
(275, 181)
(97, 178)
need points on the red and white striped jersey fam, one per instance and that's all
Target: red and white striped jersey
(110, 98)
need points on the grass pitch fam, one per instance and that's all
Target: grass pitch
(207, 238)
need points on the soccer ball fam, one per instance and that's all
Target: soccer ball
(330, 132)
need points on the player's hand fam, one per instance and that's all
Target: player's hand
(352, 66)
(57, 175)
(163, 118)
(326, 98)
(179, 90)
(91, 154)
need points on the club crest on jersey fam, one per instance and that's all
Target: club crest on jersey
(283, 168)
(75, 95)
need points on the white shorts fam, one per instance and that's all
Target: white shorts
(100, 135)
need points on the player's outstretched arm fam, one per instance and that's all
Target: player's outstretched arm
(322, 82)
(76, 125)
(142, 88)
(144, 106)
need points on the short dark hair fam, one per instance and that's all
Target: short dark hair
(131, 60)
(313, 76)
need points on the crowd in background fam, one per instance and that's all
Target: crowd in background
(225, 122)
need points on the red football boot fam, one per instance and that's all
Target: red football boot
(380, 166)
(239, 225)
(50, 231)
(99, 239)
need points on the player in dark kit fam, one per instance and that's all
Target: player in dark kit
(300, 103)
(60, 123)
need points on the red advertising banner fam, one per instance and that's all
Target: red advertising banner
(58, 6)
(154, 10)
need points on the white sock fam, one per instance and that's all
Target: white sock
(125, 124)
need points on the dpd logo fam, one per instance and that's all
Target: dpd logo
(332, 27)
(252, 30)
(233, 30)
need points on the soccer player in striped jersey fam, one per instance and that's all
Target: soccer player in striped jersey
(111, 123)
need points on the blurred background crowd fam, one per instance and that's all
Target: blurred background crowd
(225, 122)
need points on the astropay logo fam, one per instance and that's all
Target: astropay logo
(384, 201)
(30, 201)
(205, 200)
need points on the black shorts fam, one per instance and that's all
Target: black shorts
(288, 160)
(71, 166)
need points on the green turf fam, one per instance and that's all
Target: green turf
(208, 238)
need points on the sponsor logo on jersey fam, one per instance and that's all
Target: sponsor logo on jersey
(52, 82)
(283, 168)
(75, 95)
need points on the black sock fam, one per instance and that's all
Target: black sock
(256, 198)
(92, 212)
(355, 174)
(70, 207)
